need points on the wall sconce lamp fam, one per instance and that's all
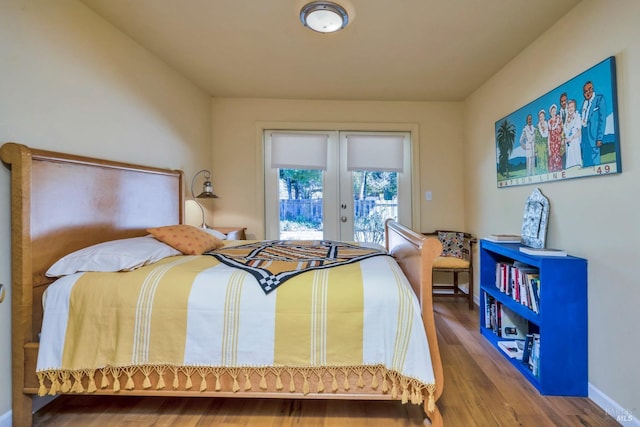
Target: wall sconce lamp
(207, 192)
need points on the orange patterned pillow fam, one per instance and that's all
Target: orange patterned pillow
(187, 239)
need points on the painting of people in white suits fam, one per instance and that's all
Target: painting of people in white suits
(570, 132)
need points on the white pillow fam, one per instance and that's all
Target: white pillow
(115, 255)
(215, 233)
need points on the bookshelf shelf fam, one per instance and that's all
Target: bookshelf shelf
(561, 320)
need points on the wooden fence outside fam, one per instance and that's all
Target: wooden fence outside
(311, 211)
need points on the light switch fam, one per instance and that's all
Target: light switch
(427, 195)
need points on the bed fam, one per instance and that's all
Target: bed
(62, 203)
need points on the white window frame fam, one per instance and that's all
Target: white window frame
(412, 128)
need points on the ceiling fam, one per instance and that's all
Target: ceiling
(393, 50)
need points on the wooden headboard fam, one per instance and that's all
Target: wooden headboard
(61, 203)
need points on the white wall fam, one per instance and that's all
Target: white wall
(237, 151)
(71, 82)
(595, 218)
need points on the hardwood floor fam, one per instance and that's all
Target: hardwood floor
(481, 389)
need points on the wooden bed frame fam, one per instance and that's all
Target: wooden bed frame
(61, 203)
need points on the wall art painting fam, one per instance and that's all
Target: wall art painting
(570, 132)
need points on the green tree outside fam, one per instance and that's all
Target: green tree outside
(372, 186)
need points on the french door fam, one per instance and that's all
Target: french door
(337, 185)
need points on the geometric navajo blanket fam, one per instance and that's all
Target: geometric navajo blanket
(272, 262)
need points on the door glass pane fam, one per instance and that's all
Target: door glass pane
(375, 198)
(301, 211)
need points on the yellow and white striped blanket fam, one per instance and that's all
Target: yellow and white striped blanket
(193, 311)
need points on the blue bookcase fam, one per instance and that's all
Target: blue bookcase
(561, 320)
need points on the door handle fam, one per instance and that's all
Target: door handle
(343, 218)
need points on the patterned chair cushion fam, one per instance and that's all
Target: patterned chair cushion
(453, 244)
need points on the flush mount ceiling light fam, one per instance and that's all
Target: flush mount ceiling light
(324, 16)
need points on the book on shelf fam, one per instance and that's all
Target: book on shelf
(492, 314)
(489, 306)
(526, 294)
(534, 357)
(502, 276)
(513, 349)
(512, 326)
(531, 353)
(502, 321)
(526, 352)
(503, 238)
(534, 283)
(542, 251)
(521, 282)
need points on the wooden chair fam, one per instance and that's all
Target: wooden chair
(456, 258)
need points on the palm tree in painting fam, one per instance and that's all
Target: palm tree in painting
(506, 135)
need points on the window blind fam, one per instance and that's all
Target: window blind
(299, 151)
(375, 152)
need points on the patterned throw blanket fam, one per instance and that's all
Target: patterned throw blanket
(272, 262)
(194, 322)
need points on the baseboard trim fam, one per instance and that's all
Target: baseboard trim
(624, 417)
(38, 403)
(5, 419)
